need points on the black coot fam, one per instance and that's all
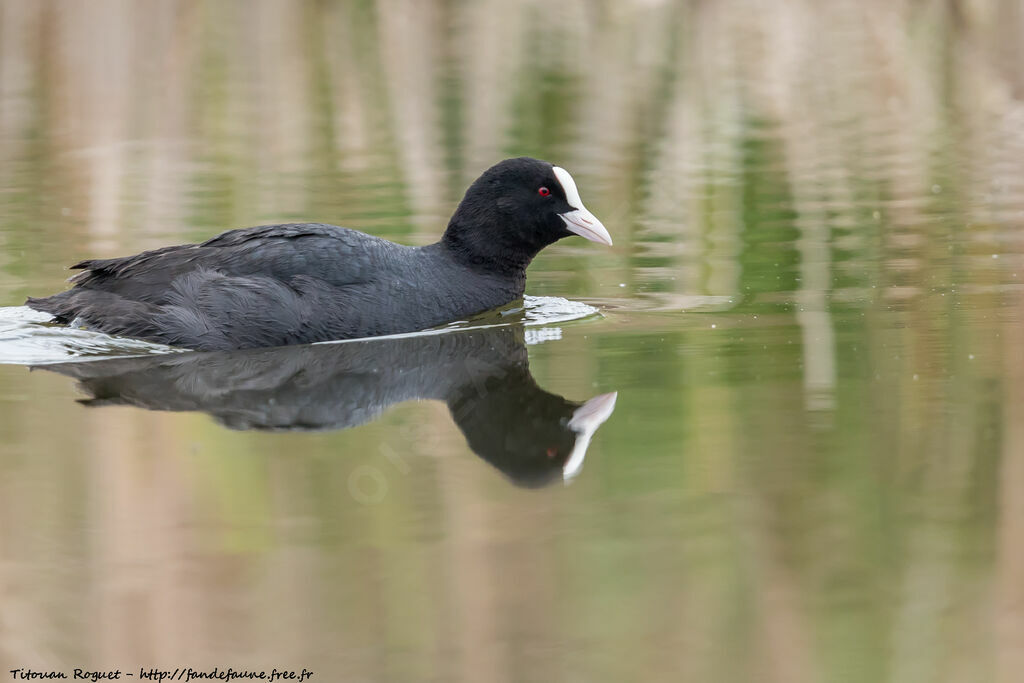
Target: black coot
(305, 282)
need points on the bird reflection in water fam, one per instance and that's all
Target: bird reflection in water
(532, 436)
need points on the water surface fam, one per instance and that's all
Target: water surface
(812, 318)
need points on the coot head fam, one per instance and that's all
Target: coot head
(515, 209)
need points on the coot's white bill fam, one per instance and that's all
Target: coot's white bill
(585, 224)
(580, 221)
(585, 421)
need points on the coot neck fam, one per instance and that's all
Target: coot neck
(482, 252)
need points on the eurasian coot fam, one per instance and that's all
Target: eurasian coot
(297, 283)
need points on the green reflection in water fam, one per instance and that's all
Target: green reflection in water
(812, 318)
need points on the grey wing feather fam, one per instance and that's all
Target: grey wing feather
(277, 251)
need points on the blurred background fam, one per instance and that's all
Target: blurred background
(812, 315)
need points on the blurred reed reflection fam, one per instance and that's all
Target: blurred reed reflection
(533, 437)
(813, 316)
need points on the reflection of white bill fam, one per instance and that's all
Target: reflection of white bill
(585, 421)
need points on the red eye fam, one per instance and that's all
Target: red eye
(544, 192)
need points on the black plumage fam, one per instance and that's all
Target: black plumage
(297, 283)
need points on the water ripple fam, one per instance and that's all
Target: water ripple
(26, 337)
